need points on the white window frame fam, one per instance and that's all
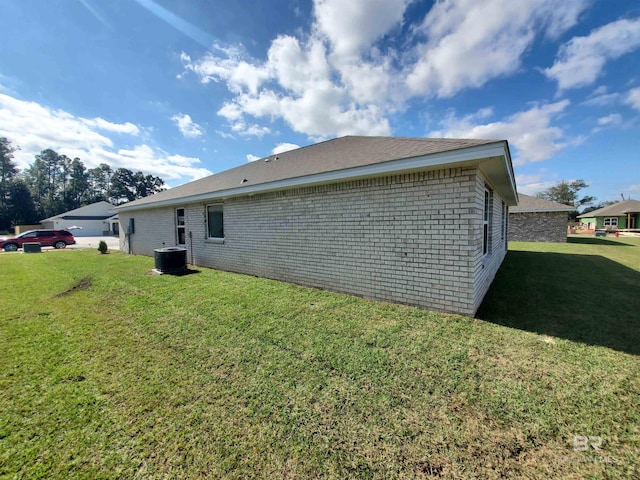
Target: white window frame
(206, 215)
(487, 218)
(613, 222)
(181, 226)
(504, 221)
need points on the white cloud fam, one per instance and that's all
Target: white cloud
(341, 78)
(250, 130)
(284, 147)
(532, 184)
(35, 127)
(581, 60)
(633, 98)
(228, 65)
(613, 119)
(355, 25)
(306, 98)
(634, 188)
(187, 126)
(279, 148)
(470, 42)
(101, 124)
(600, 98)
(607, 121)
(530, 131)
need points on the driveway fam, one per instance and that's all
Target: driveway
(83, 243)
(92, 242)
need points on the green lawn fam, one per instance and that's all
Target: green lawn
(107, 371)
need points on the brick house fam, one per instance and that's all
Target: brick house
(410, 220)
(538, 220)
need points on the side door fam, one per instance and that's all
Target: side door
(46, 238)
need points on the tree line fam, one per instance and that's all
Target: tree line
(55, 183)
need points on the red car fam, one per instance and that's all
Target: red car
(46, 238)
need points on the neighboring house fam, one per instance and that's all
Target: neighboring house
(95, 219)
(619, 216)
(410, 220)
(538, 220)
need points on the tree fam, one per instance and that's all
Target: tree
(123, 187)
(598, 206)
(567, 193)
(146, 185)
(78, 187)
(21, 206)
(8, 172)
(99, 183)
(45, 178)
(127, 186)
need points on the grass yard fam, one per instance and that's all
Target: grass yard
(109, 372)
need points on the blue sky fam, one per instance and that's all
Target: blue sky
(184, 89)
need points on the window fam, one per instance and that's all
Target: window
(181, 229)
(46, 234)
(504, 221)
(506, 229)
(486, 222)
(611, 222)
(215, 221)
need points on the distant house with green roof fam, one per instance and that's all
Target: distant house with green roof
(619, 216)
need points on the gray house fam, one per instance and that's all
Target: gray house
(411, 220)
(538, 220)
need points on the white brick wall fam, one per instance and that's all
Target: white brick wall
(486, 267)
(414, 238)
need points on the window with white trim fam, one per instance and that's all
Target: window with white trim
(181, 229)
(215, 221)
(611, 222)
(506, 228)
(486, 222)
(504, 221)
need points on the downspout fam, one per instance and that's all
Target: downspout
(191, 246)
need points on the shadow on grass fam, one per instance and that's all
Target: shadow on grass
(584, 298)
(597, 241)
(178, 273)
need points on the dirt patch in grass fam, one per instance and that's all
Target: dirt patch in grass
(84, 283)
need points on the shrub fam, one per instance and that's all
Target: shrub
(102, 247)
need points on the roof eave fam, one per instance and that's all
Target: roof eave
(495, 154)
(546, 210)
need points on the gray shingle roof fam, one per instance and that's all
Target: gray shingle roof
(615, 210)
(87, 210)
(329, 156)
(527, 203)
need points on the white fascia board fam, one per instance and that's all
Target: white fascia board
(456, 158)
(512, 177)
